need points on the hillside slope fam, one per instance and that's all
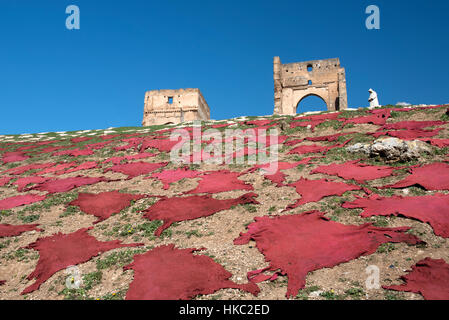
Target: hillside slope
(120, 184)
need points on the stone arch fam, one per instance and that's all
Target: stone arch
(310, 95)
(299, 95)
(295, 81)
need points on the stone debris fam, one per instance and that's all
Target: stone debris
(392, 149)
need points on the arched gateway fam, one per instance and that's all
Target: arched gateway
(296, 81)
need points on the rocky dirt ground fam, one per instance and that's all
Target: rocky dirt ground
(103, 275)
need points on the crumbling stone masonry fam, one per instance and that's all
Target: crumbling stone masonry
(295, 81)
(174, 106)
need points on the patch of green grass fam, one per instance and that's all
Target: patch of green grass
(334, 124)
(393, 296)
(70, 211)
(353, 113)
(5, 244)
(195, 233)
(120, 295)
(379, 221)
(21, 255)
(29, 219)
(355, 293)
(249, 207)
(118, 259)
(331, 295)
(304, 293)
(386, 248)
(395, 114)
(148, 228)
(416, 191)
(5, 213)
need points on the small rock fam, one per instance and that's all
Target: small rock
(315, 294)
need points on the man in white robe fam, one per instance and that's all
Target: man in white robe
(373, 101)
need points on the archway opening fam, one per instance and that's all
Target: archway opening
(311, 103)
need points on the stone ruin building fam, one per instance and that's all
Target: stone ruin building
(295, 81)
(174, 106)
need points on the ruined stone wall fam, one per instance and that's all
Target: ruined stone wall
(174, 106)
(295, 81)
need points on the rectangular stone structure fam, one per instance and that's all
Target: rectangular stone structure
(174, 106)
(296, 81)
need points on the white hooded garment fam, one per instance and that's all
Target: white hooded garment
(373, 100)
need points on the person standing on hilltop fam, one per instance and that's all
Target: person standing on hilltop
(373, 101)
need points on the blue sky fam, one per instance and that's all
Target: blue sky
(54, 79)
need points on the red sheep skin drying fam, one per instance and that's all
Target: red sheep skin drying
(429, 277)
(67, 184)
(4, 181)
(20, 200)
(170, 176)
(301, 243)
(14, 157)
(220, 181)
(105, 204)
(8, 230)
(356, 171)
(135, 169)
(176, 209)
(433, 209)
(167, 273)
(60, 251)
(315, 190)
(433, 176)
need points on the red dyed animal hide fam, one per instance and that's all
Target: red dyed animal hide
(329, 138)
(56, 168)
(279, 177)
(176, 209)
(354, 170)
(433, 209)
(316, 148)
(84, 166)
(167, 273)
(411, 125)
(4, 181)
(161, 145)
(169, 176)
(18, 201)
(132, 144)
(433, 176)
(7, 230)
(315, 190)
(23, 169)
(135, 169)
(60, 251)
(408, 134)
(440, 143)
(74, 152)
(14, 157)
(378, 117)
(429, 277)
(118, 160)
(105, 204)
(66, 184)
(220, 181)
(23, 182)
(301, 243)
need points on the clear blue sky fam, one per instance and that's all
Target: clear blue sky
(54, 79)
